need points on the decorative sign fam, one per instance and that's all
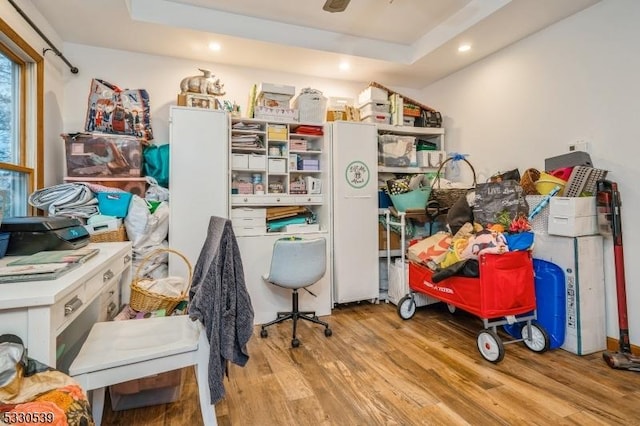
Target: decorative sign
(357, 174)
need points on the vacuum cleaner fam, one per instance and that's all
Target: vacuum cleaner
(609, 223)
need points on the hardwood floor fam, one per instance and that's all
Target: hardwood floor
(377, 369)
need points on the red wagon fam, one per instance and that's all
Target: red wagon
(503, 294)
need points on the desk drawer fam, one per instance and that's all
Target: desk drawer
(106, 275)
(67, 309)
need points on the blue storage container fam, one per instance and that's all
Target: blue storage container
(384, 201)
(114, 203)
(550, 302)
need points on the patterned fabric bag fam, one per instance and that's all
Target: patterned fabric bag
(114, 110)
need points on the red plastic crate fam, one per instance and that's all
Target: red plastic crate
(506, 286)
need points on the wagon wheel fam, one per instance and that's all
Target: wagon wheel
(539, 340)
(406, 307)
(490, 346)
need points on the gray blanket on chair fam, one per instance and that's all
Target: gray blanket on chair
(220, 300)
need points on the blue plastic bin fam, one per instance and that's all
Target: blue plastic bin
(114, 203)
(550, 302)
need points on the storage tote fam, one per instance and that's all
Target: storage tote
(311, 106)
(412, 200)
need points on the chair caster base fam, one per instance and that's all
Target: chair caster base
(328, 332)
(263, 333)
(295, 343)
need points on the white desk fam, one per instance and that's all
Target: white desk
(41, 311)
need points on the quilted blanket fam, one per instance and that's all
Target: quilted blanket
(41, 394)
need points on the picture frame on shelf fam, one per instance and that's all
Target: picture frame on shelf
(197, 100)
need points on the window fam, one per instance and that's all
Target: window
(21, 105)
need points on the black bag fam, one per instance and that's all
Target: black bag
(497, 200)
(469, 268)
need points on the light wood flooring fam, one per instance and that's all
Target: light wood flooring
(377, 369)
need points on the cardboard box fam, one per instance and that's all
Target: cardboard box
(581, 259)
(394, 238)
(103, 155)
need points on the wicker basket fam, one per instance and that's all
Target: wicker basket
(528, 181)
(446, 197)
(116, 235)
(143, 300)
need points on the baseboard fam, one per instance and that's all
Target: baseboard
(613, 345)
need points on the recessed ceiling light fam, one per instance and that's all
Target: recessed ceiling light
(464, 48)
(344, 66)
(215, 46)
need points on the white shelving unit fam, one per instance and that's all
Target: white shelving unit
(430, 134)
(269, 159)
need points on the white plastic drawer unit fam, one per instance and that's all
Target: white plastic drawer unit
(248, 213)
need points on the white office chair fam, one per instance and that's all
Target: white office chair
(118, 351)
(296, 264)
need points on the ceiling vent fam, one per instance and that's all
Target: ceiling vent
(335, 5)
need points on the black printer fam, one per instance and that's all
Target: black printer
(32, 234)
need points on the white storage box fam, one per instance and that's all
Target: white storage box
(281, 89)
(111, 225)
(373, 94)
(572, 206)
(581, 259)
(371, 108)
(573, 226)
(277, 165)
(239, 161)
(378, 117)
(257, 162)
(275, 114)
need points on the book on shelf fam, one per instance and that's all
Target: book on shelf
(80, 255)
(35, 272)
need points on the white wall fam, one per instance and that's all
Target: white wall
(55, 74)
(161, 77)
(575, 80)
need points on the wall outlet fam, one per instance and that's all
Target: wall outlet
(580, 146)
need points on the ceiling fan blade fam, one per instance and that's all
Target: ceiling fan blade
(335, 5)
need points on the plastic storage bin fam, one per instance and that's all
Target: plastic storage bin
(98, 154)
(153, 390)
(550, 302)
